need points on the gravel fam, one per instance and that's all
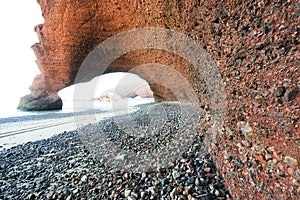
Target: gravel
(68, 165)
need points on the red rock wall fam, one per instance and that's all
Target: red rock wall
(73, 28)
(256, 44)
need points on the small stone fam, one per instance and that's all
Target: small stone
(159, 175)
(210, 175)
(290, 171)
(281, 51)
(268, 156)
(207, 169)
(197, 182)
(31, 196)
(144, 175)
(265, 29)
(84, 178)
(296, 182)
(274, 61)
(281, 44)
(245, 128)
(49, 196)
(232, 175)
(175, 174)
(75, 191)
(211, 187)
(127, 193)
(69, 197)
(217, 193)
(216, 20)
(190, 181)
(202, 180)
(228, 158)
(223, 14)
(266, 42)
(279, 91)
(239, 56)
(157, 182)
(281, 27)
(185, 193)
(8, 155)
(143, 194)
(277, 156)
(119, 188)
(228, 131)
(295, 119)
(292, 162)
(164, 182)
(126, 175)
(180, 188)
(271, 149)
(172, 194)
(259, 46)
(293, 93)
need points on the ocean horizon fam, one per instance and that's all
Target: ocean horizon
(9, 111)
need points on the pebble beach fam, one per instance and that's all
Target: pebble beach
(77, 165)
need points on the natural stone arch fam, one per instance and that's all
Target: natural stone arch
(73, 28)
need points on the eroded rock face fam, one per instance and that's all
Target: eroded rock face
(72, 29)
(256, 46)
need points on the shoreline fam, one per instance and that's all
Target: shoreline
(62, 167)
(20, 130)
(34, 126)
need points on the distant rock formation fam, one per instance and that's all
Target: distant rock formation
(108, 86)
(108, 97)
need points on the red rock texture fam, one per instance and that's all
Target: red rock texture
(256, 46)
(73, 28)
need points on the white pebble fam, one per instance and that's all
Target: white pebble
(127, 193)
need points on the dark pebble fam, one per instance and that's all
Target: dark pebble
(279, 91)
(293, 93)
(266, 42)
(190, 181)
(223, 14)
(239, 56)
(274, 61)
(259, 47)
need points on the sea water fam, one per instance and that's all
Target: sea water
(8, 111)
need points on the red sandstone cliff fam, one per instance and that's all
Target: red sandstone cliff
(256, 44)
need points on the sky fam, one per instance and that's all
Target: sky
(17, 68)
